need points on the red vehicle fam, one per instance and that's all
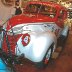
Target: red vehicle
(34, 34)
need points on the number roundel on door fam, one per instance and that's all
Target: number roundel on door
(25, 39)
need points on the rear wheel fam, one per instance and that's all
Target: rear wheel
(46, 58)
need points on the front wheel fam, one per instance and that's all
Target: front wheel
(46, 58)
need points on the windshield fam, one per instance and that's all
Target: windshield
(41, 9)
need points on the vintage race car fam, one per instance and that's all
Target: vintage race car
(34, 34)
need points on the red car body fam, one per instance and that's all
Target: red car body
(56, 14)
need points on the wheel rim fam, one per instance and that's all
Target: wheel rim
(48, 55)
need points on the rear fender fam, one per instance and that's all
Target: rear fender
(38, 46)
(41, 45)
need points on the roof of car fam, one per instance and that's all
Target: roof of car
(53, 4)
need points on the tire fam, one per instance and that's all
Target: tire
(46, 58)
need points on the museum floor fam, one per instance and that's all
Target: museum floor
(62, 64)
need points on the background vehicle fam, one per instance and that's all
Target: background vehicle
(34, 34)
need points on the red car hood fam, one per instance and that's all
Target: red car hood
(28, 18)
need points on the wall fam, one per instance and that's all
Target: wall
(4, 11)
